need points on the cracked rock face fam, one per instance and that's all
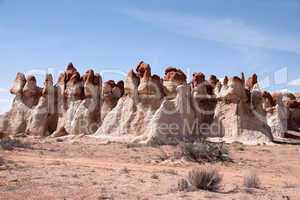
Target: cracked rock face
(145, 108)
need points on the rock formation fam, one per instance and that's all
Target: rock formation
(173, 78)
(204, 101)
(78, 103)
(111, 93)
(72, 106)
(15, 121)
(237, 118)
(145, 108)
(87, 116)
(133, 112)
(42, 120)
(71, 94)
(251, 82)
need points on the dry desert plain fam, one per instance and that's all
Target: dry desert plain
(87, 168)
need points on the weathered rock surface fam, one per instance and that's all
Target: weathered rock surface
(112, 92)
(27, 93)
(87, 116)
(72, 106)
(238, 118)
(203, 102)
(172, 122)
(251, 82)
(79, 103)
(173, 78)
(148, 109)
(42, 120)
(134, 111)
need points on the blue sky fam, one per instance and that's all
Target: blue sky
(211, 36)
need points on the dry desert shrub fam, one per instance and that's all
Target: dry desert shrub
(205, 152)
(169, 171)
(183, 185)
(2, 162)
(125, 170)
(134, 145)
(252, 181)
(10, 144)
(205, 179)
(154, 176)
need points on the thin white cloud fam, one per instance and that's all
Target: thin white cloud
(281, 76)
(5, 104)
(5, 100)
(295, 82)
(3, 90)
(228, 31)
(265, 83)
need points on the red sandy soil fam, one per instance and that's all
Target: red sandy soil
(87, 168)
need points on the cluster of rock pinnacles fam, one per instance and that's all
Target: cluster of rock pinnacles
(145, 108)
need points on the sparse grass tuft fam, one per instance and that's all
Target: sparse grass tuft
(10, 144)
(252, 181)
(182, 185)
(154, 176)
(205, 152)
(125, 170)
(133, 145)
(2, 162)
(169, 171)
(205, 179)
(8, 164)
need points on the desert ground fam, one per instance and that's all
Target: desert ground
(86, 168)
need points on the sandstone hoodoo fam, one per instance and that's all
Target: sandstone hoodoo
(251, 82)
(204, 101)
(112, 92)
(146, 108)
(173, 78)
(131, 117)
(42, 120)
